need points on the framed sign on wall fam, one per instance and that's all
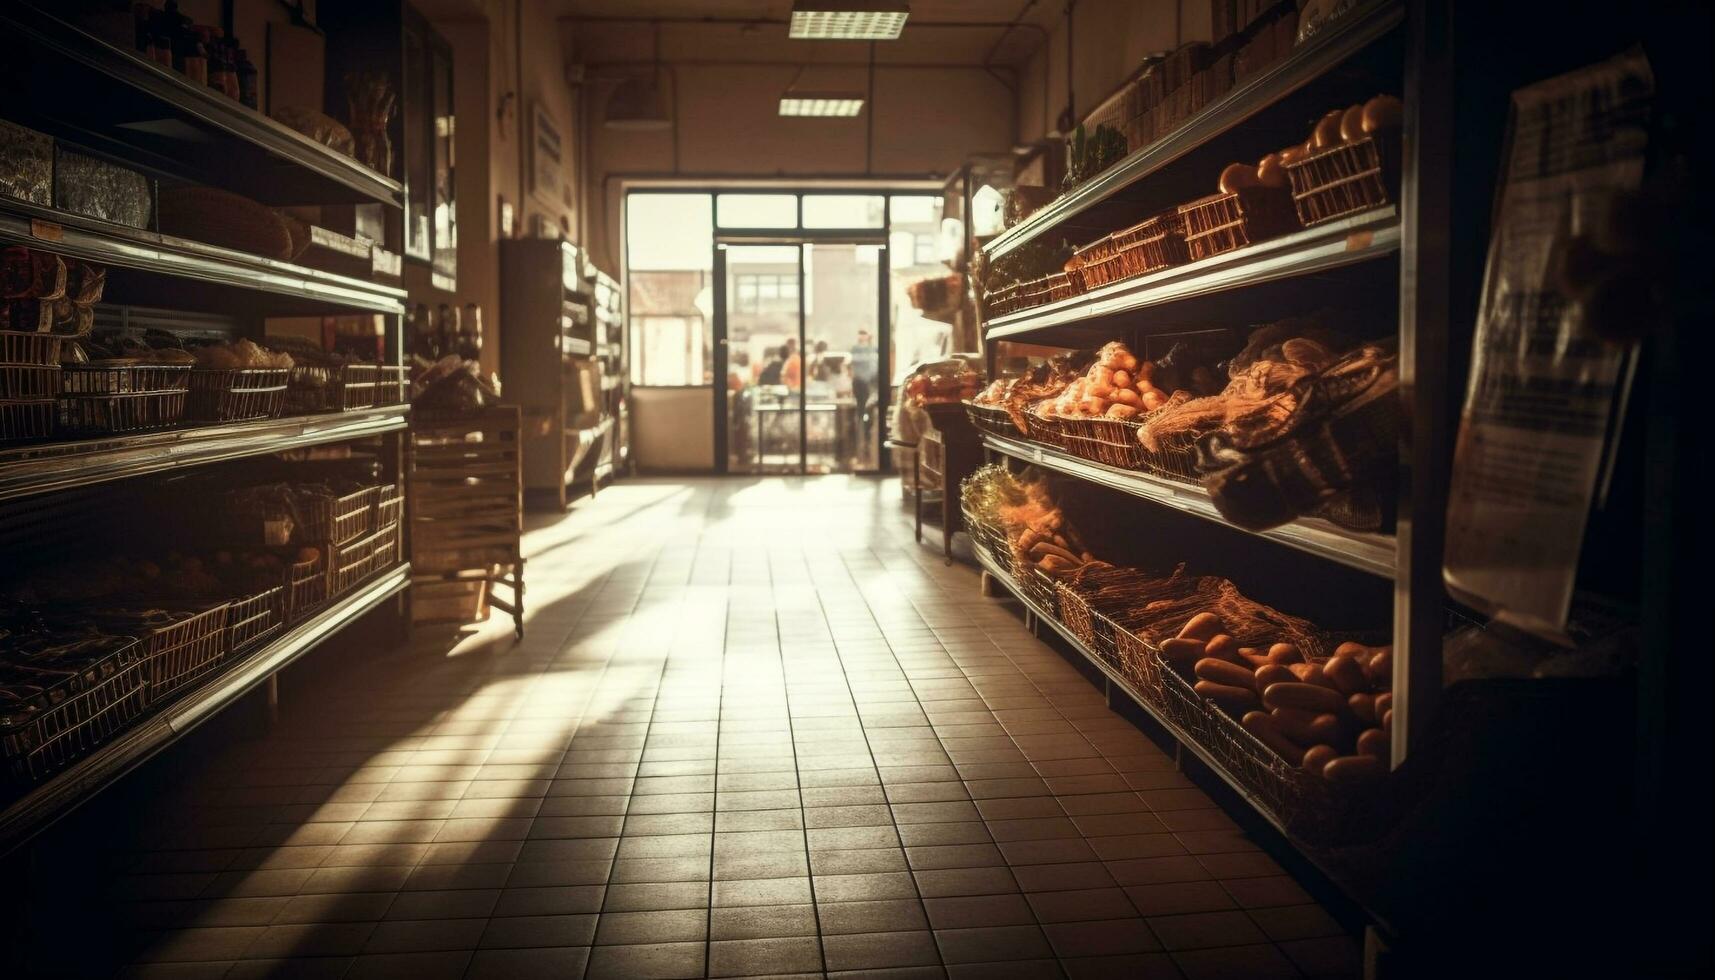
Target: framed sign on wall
(545, 154)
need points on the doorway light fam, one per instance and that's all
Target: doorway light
(848, 20)
(821, 104)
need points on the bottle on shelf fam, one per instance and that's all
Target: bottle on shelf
(195, 57)
(247, 80)
(470, 346)
(220, 76)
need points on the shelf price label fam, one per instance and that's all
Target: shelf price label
(47, 231)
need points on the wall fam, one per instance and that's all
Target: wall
(506, 53)
(1109, 40)
(926, 121)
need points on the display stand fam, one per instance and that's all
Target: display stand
(465, 489)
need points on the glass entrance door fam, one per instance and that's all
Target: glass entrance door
(800, 327)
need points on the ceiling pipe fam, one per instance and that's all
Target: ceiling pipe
(956, 25)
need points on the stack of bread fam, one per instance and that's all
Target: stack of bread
(1117, 386)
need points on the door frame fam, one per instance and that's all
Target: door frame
(798, 238)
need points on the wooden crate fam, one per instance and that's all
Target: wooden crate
(465, 502)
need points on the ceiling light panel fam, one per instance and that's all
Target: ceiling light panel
(847, 20)
(821, 104)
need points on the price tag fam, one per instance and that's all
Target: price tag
(1359, 240)
(47, 231)
(1036, 453)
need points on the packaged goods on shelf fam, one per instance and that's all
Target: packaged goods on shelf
(98, 189)
(26, 165)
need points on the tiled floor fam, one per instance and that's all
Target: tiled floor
(753, 730)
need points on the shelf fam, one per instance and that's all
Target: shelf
(54, 799)
(84, 89)
(1324, 248)
(1119, 681)
(233, 277)
(1373, 553)
(44, 467)
(1317, 57)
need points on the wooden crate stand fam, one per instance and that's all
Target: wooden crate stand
(466, 507)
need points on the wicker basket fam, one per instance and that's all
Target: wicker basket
(236, 395)
(29, 381)
(1049, 432)
(1149, 246)
(389, 506)
(30, 347)
(988, 538)
(1103, 440)
(1224, 222)
(1344, 179)
(1091, 630)
(324, 388)
(21, 421)
(991, 419)
(77, 713)
(1035, 586)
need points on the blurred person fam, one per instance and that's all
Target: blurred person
(792, 371)
(771, 367)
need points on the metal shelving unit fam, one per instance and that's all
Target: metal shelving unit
(1380, 254)
(47, 467)
(1373, 553)
(154, 118)
(218, 278)
(1086, 204)
(62, 793)
(1324, 248)
(94, 96)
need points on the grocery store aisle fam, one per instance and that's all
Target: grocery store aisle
(753, 729)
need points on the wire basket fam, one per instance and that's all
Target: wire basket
(252, 620)
(387, 549)
(393, 387)
(236, 395)
(1035, 585)
(306, 588)
(389, 506)
(75, 711)
(1103, 440)
(1000, 302)
(124, 379)
(30, 347)
(29, 381)
(337, 519)
(1222, 223)
(1091, 630)
(991, 419)
(21, 421)
(139, 411)
(988, 538)
(177, 655)
(1149, 246)
(327, 388)
(1344, 179)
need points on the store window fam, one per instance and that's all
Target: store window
(757, 210)
(844, 211)
(669, 248)
(765, 293)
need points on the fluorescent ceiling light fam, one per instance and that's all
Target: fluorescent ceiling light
(848, 20)
(821, 104)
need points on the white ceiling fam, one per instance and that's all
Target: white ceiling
(618, 31)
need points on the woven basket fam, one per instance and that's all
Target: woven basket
(1344, 179)
(1222, 223)
(1149, 246)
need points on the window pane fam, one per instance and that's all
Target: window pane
(914, 209)
(757, 210)
(842, 211)
(669, 250)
